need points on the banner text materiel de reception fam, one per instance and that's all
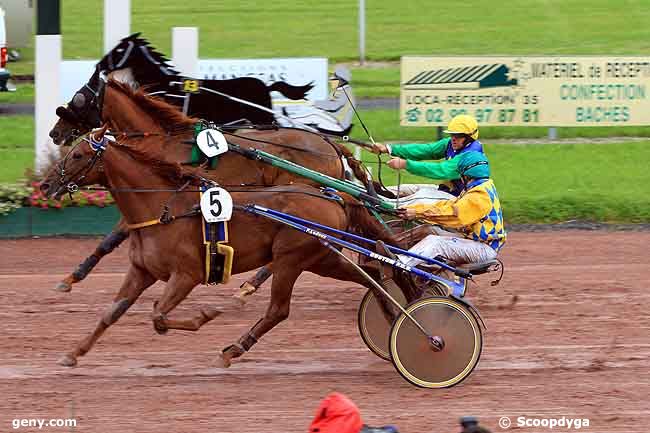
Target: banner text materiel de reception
(540, 91)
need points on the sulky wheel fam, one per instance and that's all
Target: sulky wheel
(448, 355)
(374, 326)
(433, 288)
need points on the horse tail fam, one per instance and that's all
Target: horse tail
(362, 222)
(290, 91)
(360, 171)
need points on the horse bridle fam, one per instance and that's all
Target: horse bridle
(112, 66)
(71, 184)
(78, 111)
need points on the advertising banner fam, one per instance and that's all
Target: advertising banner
(537, 91)
(294, 71)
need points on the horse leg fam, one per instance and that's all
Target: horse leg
(277, 311)
(251, 285)
(106, 246)
(176, 291)
(136, 281)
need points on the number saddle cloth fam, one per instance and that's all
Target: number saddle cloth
(218, 255)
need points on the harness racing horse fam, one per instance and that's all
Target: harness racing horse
(142, 183)
(136, 62)
(119, 102)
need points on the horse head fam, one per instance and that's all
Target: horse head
(82, 165)
(132, 61)
(82, 113)
(147, 65)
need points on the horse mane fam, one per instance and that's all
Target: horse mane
(166, 115)
(172, 171)
(154, 57)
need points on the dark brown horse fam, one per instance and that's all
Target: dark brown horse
(120, 104)
(135, 58)
(174, 252)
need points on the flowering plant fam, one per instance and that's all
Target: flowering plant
(16, 195)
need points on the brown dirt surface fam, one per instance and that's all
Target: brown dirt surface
(568, 335)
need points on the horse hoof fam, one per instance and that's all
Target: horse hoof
(159, 325)
(160, 329)
(222, 361)
(63, 287)
(68, 361)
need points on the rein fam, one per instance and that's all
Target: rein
(99, 147)
(286, 146)
(166, 218)
(127, 134)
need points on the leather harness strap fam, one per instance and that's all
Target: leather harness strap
(144, 224)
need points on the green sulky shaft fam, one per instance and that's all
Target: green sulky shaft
(340, 185)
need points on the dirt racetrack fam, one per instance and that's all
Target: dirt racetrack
(568, 335)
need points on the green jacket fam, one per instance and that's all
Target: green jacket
(415, 152)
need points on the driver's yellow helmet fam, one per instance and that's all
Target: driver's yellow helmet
(463, 124)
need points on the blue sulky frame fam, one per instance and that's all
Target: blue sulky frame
(309, 227)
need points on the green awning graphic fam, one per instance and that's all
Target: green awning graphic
(462, 78)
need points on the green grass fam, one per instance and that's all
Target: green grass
(15, 164)
(232, 29)
(24, 94)
(258, 28)
(315, 28)
(16, 132)
(16, 147)
(553, 182)
(285, 28)
(376, 82)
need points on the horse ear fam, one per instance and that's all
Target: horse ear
(61, 111)
(68, 115)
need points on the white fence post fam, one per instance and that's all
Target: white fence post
(185, 50)
(362, 31)
(47, 58)
(117, 22)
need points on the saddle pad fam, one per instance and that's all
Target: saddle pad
(218, 256)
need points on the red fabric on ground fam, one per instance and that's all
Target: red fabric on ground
(336, 414)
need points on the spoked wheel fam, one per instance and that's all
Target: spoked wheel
(431, 288)
(374, 326)
(449, 354)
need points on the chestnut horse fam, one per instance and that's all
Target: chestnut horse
(175, 253)
(120, 104)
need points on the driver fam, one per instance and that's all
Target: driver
(463, 130)
(476, 212)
